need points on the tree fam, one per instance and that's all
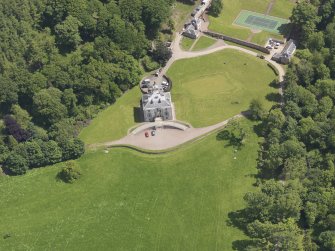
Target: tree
(162, 54)
(70, 172)
(48, 106)
(304, 15)
(72, 149)
(328, 239)
(69, 99)
(51, 151)
(257, 109)
(316, 41)
(14, 129)
(67, 33)
(21, 116)
(282, 236)
(216, 8)
(276, 119)
(16, 164)
(295, 168)
(32, 152)
(235, 133)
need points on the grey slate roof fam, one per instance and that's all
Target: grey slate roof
(156, 99)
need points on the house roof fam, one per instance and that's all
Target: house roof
(157, 99)
(289, 48)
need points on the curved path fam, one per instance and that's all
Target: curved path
(165, 138)
(170, 138)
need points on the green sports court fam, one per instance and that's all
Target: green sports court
(262, 22)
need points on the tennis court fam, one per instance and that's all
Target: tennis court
(263, 22)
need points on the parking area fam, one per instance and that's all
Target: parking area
(274, 45)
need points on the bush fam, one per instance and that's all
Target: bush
(70, 172)
(149, 64)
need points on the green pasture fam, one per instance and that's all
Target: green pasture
(130, 201)
(203, 42)
(231, 9)
(212, 88)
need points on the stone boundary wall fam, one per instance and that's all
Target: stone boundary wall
(237, 41)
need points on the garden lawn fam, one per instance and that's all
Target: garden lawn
(186, 43)
(209, 89)
(231, 9)
(114, 122)
(203, 42)
(130, 201)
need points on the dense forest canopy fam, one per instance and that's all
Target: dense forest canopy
(294, 208)
(60, 62)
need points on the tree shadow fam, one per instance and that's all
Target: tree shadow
(242, 245)
(138, 115)
(273, 97)
(274, 84)
(239, 219)
(259, 129)
(285, 29)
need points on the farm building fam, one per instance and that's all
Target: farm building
(284, 57)
(157, 104)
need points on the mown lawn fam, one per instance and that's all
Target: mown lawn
(203, 42)
(209, 89)
(224, 23)
(131, 201)
(186, 43)
(114, 122)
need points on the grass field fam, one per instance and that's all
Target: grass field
(231, 9)
(209, 89)
(114, 122)
(203, 43)
(131, 201)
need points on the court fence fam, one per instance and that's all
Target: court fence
(237, 41)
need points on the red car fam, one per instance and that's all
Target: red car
(146, 134)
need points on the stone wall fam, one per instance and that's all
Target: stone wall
(237, 41)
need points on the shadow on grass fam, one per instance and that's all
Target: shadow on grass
(285, 29)
(138, 115)
(240, 220)
(259, 129)
(242, 245)
(274, 84)
(273, 97)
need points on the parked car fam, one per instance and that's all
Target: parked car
(269, 47)
(194, 12)
(153, 133)
(146, 134)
